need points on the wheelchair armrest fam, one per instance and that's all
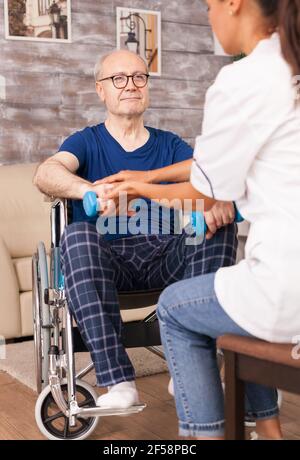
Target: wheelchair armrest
(59, 219)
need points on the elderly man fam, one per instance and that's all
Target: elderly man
(97, 266)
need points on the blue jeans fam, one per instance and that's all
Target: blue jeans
(191, 319)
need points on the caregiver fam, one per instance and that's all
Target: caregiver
(249, 152)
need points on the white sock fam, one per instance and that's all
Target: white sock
(120, 396)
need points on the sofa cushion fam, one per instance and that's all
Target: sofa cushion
(23, 272)
(26, 313)
(136, 314)
(25, 216)
(10, 320)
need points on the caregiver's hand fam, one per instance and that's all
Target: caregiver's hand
(127, 176)
(122, 193)
(222, 213)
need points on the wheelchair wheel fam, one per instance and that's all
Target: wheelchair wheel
(41, 316)
(52, 422)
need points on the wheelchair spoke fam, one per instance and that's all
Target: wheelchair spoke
(54, 417)
(66, 428)
(83, 422)
(86, 402)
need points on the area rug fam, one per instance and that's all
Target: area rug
(19, 363)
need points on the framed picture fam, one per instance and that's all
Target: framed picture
(39, 20)
(140, 31)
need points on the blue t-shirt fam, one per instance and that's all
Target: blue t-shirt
(100, 155)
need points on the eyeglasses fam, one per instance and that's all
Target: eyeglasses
(139, 80)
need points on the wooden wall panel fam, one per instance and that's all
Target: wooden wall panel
(184, 122)
(44, 90)
(49, 87)
(187, 38)
(179, 11)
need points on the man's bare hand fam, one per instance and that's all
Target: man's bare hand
(221, 214)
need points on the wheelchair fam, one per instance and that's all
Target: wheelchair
(66, 406)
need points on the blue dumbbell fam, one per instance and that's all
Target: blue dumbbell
(91, 204)
(238, 217)
(199, 225)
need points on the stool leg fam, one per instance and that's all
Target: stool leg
(234, 399)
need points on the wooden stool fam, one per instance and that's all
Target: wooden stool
(252, 360)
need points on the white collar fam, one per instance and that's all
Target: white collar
(267, 44)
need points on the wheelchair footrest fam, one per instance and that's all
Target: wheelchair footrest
(134, 334)
(98, 412)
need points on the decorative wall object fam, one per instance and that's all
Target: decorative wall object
(140, 31)
(39, 20)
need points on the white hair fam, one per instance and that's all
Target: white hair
(99, 65)
(100, 61)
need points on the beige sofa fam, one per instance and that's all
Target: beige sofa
(25, 220)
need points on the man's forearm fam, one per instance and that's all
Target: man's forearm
(54, 179)
(178, 172)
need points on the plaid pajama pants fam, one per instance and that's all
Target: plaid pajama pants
(95, 270)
